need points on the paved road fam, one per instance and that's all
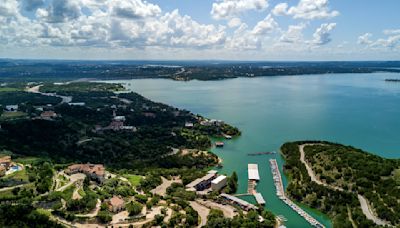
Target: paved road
(36, 89)
(162, 188)
(363, 202)
(202, 211)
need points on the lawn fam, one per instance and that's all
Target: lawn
(12, 115)
(133, 179)
(26, 160)
(18, 175)
(396, 175)
(9, 89)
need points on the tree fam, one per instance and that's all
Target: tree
(134, 208)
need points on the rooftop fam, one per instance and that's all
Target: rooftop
(218, 179)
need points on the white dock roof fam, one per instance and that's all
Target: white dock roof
(253, 172)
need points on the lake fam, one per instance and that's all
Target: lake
(356, 109)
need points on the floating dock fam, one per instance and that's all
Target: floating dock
(261, 153)
(280, 192)
(259, 198)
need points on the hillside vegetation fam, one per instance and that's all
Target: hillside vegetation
(347, 168)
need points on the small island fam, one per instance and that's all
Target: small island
(355, 188)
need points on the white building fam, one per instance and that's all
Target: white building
(218, 183)
(253, 172)
(11, 108)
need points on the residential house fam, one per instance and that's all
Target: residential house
(116, 204)
(94, 171)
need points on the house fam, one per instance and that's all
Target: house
(11, 108)
(189, 125)
(116, 125)
(218, 183)
(149, 114)
(116, 204)
(77, 103)
(5, 162)
(119, 118)
(94, 171)
(48, 115)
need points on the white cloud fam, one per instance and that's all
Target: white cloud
(234, 22)
(226, 9)
(364, 39)
(294, 34)
(265, 26)
(280, 9)
(243, 39)
(307, 9)
(390, 42)
(322, 35)
(134, 9)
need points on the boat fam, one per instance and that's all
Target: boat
(227, 136)
(219, 144)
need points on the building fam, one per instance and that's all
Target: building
(202, 183)
(238, 202)
(5, 162)
(218, 183)
(77, 103)
(11, 108)
(189, 125)
(48, 115)
(253, 172)
(119, 118)
(94, 171)
(116, 204)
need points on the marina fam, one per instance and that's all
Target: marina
(281, 194)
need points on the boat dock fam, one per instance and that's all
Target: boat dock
(259, 198)
(261, 153)
(280, 192)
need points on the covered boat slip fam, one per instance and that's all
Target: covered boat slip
(253, 172)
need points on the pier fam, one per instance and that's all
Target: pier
(280, 192)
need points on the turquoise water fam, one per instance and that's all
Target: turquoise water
(357, 109)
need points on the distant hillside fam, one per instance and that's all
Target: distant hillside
(34, 70)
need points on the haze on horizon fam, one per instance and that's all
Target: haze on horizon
(282, 30)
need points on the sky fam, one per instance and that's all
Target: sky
(267, 30)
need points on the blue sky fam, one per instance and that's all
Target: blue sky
(201, 29)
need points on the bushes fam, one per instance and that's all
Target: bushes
(134, 208)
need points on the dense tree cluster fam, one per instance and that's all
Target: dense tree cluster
(159, 128)
(337, 204)
(24, 216)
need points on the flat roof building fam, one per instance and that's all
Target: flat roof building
(218, 183)
(253, 172)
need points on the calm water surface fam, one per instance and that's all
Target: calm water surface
(357, 109)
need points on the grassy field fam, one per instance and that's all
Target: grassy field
(133, 179)
(396, 176)
(26, 160)
(19, 176)
(9, 89)
(12, 115)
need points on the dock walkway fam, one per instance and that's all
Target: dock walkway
(280, 192)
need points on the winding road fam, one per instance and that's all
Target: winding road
(366, 209)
